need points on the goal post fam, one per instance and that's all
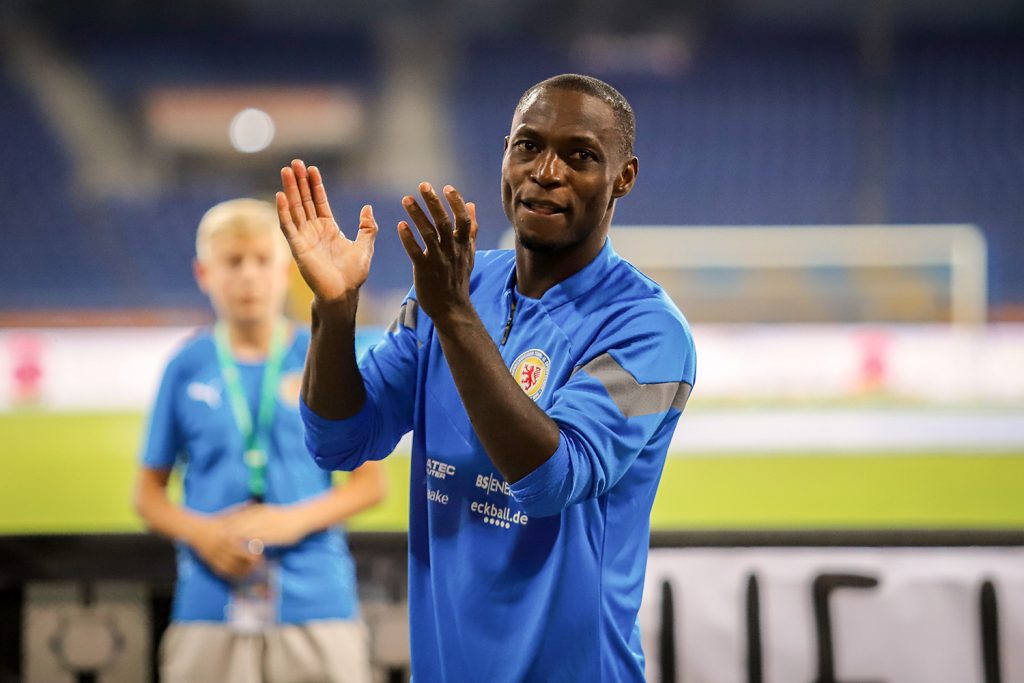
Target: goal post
(827, 273)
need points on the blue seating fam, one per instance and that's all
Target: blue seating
(956, 140)
(45, 254)
(759, 128)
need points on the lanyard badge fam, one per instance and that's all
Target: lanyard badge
(254, 432)
(253, 603)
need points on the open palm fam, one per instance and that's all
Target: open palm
(331, 264)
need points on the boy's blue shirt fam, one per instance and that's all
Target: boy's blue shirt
(539, 580)
(192, 425)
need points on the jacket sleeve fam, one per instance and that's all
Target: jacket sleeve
(629, 384)
(389, 371)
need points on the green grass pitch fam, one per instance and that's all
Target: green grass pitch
(72, 473)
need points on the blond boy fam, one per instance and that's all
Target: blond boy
(266, 586)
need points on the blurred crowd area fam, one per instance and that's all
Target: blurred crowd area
(123, 122)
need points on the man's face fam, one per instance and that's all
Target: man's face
(563, 166)
(245, 276)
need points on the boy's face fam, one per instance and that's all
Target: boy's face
(245, 276)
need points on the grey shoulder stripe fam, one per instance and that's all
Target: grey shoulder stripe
(407, 316)
(411, 312)
(679, 402)
(632, 398)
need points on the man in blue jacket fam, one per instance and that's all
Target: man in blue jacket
(542, 386)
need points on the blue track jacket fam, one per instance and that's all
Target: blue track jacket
(540, 580)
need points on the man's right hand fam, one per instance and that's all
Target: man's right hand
(332, 265)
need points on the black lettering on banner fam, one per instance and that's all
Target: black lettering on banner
(823, 586)
(755, 673)
(990, 633)
(667, 636)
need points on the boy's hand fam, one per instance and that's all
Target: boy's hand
(223, 550)
(271, 524)
(332, 265)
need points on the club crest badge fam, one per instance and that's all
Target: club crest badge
(530, 369)
(288, 392)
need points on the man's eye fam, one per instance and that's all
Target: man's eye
(583, 155)
(525, 146)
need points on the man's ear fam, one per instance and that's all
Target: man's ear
(199, 272)
(627, 178)
(505, 146)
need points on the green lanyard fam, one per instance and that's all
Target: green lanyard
(254, 436)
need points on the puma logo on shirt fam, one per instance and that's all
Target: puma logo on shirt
(204, 393)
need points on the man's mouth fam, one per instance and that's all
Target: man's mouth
(542, 207)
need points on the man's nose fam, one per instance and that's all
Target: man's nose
(548, 169)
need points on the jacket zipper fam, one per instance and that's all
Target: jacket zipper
(508, 323)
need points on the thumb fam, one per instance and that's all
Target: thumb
(367, 234)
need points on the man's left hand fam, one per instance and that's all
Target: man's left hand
(441, 269)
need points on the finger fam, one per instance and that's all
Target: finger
(323, 209)
(240, 566)
(291, 192)
(420, 220)
(412, 247)
(471, 207)
(442, 221)
(367, 234)
(284, 217)
(462, 219)
(235, 571)
(223, 567)
(241, 555)
(232, 563)
(302, 177)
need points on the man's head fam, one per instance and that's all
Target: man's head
(568, 157)
(625, 120)
(242, 261)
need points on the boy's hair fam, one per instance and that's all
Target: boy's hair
(237, 217)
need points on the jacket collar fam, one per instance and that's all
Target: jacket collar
(588, 278)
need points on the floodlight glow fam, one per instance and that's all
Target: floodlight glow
(251, 130)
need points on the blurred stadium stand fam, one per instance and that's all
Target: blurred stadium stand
(956, 135)
(741, 126)
(44, 247)
(128, 63)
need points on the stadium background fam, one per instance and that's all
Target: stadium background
(838, 404)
